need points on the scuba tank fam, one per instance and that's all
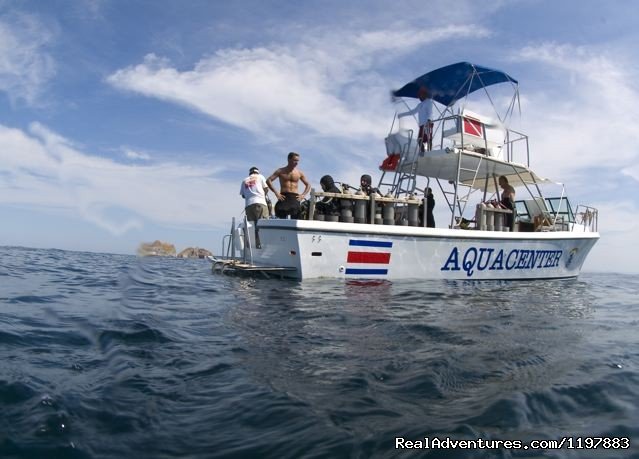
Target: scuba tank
(388, 211)
(346, 208)
(413, 212)
(360, 208)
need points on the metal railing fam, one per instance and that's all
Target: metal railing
(588, 217)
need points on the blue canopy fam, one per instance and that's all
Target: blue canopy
(453, 82)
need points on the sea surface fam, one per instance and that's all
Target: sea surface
(111, 356)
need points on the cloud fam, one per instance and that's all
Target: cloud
(25, 65)
(314, 86)
(40, 168)
(256, 89)
(404, 39)
(93, 7)
(584, 112)
(135, 155)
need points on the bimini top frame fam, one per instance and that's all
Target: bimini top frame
(447, 85)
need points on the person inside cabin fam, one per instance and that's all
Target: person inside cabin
(288, 198)
(254, 190)
(430, 205)
(424, 111)
(329, 205)
(508, 201)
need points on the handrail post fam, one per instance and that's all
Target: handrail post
(233, 238)
(372, 208)
(311, 205)
(247, 242)
(459, 159)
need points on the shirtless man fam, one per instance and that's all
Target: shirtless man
(288, 199)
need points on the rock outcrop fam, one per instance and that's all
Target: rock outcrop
(194, 252)
(157, 249)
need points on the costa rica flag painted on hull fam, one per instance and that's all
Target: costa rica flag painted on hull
(368, 257)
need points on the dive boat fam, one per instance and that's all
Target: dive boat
(542, 237)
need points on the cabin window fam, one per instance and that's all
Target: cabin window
(522, 210)
(562, 208)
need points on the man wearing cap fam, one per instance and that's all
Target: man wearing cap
(254, 190)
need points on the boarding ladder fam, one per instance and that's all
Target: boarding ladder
(404, 182)
(458, 198)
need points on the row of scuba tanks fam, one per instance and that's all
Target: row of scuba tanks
(384, 213)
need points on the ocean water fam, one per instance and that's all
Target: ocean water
(111, 356)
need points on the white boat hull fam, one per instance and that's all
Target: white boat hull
(319, 249)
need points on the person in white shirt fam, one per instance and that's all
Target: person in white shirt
(424, 111)
(254, 190)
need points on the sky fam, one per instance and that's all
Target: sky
(124, 122)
